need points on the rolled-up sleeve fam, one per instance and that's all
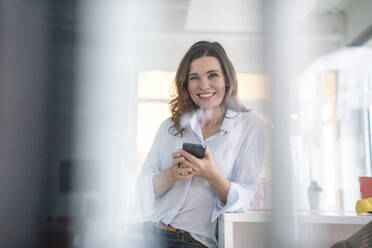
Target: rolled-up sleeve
(151, 167)
(246, 171)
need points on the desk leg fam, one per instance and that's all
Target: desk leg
(225, 233)
(228, 236)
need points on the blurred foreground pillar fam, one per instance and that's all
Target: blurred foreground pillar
(280, 58)
(23, 117)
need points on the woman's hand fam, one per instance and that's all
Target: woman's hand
(165, 180)
(207, 169)
(179, 172)
(204, 167)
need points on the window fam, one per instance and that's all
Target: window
(331, 131)
(153, 98)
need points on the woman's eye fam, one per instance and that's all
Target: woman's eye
(212, 75)
(193, 78)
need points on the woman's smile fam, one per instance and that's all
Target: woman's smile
(206, 96)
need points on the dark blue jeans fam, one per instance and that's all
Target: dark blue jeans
(156, 237)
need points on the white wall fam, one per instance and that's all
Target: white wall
(163, 35)
(161, 39)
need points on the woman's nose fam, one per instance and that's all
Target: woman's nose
(204, 83)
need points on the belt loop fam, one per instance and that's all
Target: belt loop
(183, 237)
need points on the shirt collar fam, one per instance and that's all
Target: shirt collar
(193, 118)
(228, 121)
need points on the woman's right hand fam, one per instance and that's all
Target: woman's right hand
(178, 172)
(165, 180)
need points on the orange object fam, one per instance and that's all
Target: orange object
(365, 187)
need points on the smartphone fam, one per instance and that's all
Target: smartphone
(194, 149)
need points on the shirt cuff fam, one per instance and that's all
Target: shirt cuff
(239, 199)
(147, 194)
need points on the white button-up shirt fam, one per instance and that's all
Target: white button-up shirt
(238, 151)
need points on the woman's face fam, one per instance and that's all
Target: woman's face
(206, 82)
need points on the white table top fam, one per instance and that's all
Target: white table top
(305, 216)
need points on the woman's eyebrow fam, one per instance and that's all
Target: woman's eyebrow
(210, 71)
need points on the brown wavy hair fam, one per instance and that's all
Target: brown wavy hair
(182, 103)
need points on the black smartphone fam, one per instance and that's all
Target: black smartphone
(194, 149)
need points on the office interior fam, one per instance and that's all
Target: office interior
(84, 86)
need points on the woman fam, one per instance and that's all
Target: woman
(182, 195)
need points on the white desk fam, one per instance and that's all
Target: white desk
(315, 225)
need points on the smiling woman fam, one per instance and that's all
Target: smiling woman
(182, 195)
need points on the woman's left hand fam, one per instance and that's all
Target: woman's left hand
(204, 167)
